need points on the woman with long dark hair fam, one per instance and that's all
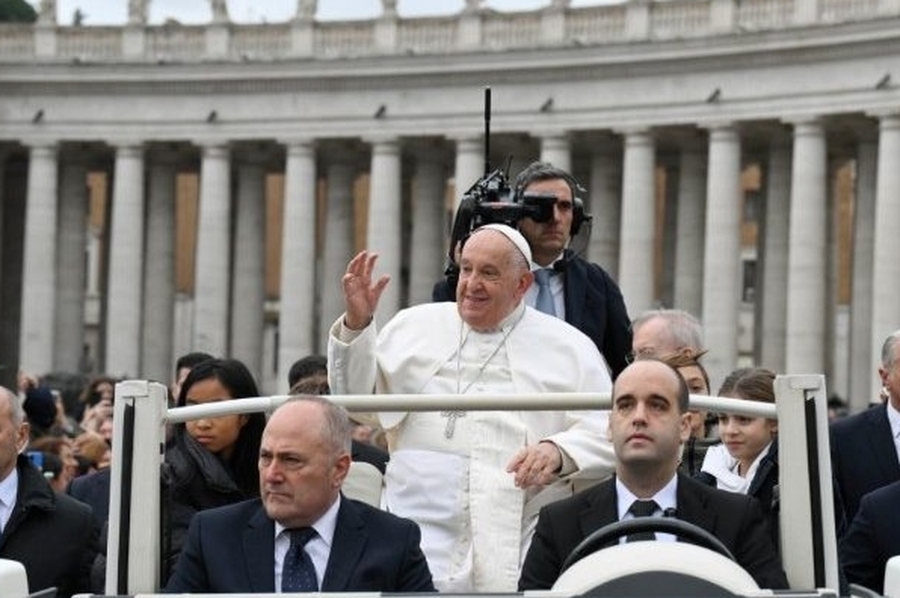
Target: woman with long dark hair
(211, 461)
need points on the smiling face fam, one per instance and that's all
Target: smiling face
(646, 424)
(493, 279)
(300, 471)
(746, 437)
(218, 435)
(548, 239)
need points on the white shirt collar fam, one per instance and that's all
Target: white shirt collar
(324, 525)
(9, 488)
(665, 498)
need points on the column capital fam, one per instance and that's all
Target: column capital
(298, 142)
(129, 149)
(215, 150)
(382, 141)
(38, 143)
(803, 120)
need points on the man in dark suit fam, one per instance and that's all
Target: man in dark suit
(873, 538)
(647, 425)
(52, 534)
(347, 546)
(864, 446)
(582, 293)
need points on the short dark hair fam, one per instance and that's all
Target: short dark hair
(544, 171)
(307, 367)
(191, 360)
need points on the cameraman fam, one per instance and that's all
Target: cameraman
(579, 292)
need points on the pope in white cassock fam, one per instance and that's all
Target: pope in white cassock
(474, 481)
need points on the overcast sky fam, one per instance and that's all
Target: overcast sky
(114, 12)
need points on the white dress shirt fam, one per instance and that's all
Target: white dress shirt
(9, 487)
(665, 499)
(318, 548)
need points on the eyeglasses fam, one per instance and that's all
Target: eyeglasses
(641, 352)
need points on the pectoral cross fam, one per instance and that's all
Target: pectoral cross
(451, 416)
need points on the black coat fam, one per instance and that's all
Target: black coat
(863, 457)
(193, 480)
(232, 549)
(593, 303)
(763, 487)
(873, 538)
(52, 534)
(734, 519)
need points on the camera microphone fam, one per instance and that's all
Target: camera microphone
(670, 512)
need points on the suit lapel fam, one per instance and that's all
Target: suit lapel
(346, 547)
(259, 552)
(574, 289)
(882, 442)
(601, 508)
(692, 505)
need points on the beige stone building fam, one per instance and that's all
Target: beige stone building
(172, 188)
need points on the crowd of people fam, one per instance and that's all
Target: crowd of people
(473, 501)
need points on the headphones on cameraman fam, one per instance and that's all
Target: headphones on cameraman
(578, 192)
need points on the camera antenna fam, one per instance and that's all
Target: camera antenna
(487, 130)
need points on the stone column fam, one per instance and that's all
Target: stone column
(126, 264)
(429, 231)
(773, 259)
(555, 149)
(886, 266)
(806, 289)
(73, 211)
(606, 208)
(864, 381)
(297, 331)
(690, 223)
(469, 165)
(339, 238)
(248, 280)
(39, 274)
(157, 359)
(14, 186)
(722, 257)
(636, 271)
(383, 233)
(213, 263)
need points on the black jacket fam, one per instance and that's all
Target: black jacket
(193, 480)
(594, 305)
(52, 534)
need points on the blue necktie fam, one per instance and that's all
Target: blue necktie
(298, 573)
(545, 296)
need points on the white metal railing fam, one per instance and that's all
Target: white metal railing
(485, 30)
(809, 551)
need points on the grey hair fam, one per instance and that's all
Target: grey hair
(684, 329)
(337, 429)
(888, 352)
(17, 413)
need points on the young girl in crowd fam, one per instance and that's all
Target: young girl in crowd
(747, 459)
(211, 461)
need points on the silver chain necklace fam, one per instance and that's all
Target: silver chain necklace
(454, 414)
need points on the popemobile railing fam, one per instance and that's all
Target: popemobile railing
(809, 549)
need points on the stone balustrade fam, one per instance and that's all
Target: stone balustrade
(472, 29)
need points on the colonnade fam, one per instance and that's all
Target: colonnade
(407, 222)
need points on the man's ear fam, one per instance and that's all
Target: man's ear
(685, 432)
(525, 281)
(22, 435)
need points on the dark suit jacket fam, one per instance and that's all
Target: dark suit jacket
(52, 534)
(232, 549)
(873, 538)
(594, 305)
(735, 519)
(360, 451)
(863, 457)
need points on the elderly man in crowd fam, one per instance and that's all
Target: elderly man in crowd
(474, 481)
